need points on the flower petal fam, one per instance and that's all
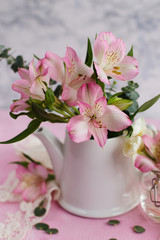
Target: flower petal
(75, 65)
(43, 188)
(85, 110)
(78, 129)
(144, 164)
(99, 134)
(101, 74)
(55, 67)
(21, 86)
(107, 37)
(115, 119)
(115, 54)
(89, 93)
(150, 144)
(32, 70)
(37, 88)
(24, 74)
(99, 49)
(20, 188)
(21, 171)
(128, 68)
(99, 107)
(31, 193)
(19, 105)
(41, 171)
(69, 95)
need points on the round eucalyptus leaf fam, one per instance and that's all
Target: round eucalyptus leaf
(39, 211)
(113, 222)
(42, 226)
(138, 229)
(52, 231)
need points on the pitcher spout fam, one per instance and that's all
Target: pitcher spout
(54, 148)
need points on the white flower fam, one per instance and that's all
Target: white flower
(135, 143)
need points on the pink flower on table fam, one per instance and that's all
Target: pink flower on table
(152, 161)
(95, 116)
(111, 59)
(31, 84)
(32, 181)
(70, 71)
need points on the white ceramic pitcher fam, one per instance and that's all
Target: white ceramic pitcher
(94, 182)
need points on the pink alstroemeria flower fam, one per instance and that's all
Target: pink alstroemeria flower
(19, 105)
(95, 116)
(70, 71)
(152, 146)
(111, 59)
(31, 84)
(32, 181)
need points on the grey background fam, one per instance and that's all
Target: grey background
(35, 26)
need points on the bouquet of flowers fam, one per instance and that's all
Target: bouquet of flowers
(67, 90)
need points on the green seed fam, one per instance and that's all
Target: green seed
(138, 229)
(42, 226)
(113, 222)
(113, 239)
(39, 211)
(52, 231)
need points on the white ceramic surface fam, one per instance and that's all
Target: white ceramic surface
(94, 182)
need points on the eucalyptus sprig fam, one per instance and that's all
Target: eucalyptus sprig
(13, 62)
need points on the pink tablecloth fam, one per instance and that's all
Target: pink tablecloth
(70, 227)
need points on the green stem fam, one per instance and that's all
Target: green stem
(61, 112)
(66, 108)
(76, 110)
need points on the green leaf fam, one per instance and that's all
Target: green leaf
(1, 47)
(147, 104)
(130, 131)
(36, 57)
(15, 116)
(39, 211)
(49, 98)
(113, 222)
(29, 158)
(102, 85)
(42, 226)
(122, 104)
(132, 109)
(133, 95)
(17, 64)
(130, 53)
(24, 164)
(113, 97)
(58, 90)
(114, 134)
(41, 115)
(138, 229)
(50, 177)
(4, 53)
(52, 82)
(33, 125)
(52, 231)
(89, 55)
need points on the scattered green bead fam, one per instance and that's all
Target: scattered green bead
(39, 211)
(42, 226)
(52, 231)
(138, 229)
(113, 222)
